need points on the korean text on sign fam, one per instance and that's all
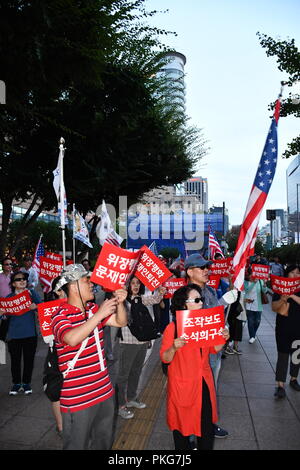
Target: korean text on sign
(201, 328)
(260, 271)
(50, 268)
(150, 270)
(220, 267)
(213, 281)
(114, 266)
(285, 285)
(45, 312)
(172, 285)
(16, 305)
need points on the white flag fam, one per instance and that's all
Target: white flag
(104, 229)
(80, 231)
(62, 207)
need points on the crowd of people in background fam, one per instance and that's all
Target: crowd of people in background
(84, 413)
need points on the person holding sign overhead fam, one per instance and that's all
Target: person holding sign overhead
(191, 394)
(22, 337)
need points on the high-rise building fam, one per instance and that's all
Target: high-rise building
(174, 86)
(198, 186)
(293, 195)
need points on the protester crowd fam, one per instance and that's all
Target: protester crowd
(89, 322)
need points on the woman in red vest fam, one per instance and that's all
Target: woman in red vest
(191, 395)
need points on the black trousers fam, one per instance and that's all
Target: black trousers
(206, 441)
(283, 365)
(23, 348)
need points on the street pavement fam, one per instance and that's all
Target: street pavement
(248, 410)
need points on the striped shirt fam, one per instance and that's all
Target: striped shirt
(85, 385)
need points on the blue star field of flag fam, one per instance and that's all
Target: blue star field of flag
(268, 161)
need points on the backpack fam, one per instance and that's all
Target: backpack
(52, 377)
(141, 324)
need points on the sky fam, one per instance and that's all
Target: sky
(230, 82)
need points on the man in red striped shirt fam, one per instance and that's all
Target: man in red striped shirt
(86, 400)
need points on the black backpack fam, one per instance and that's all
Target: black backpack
(52, 377)
(141, 324)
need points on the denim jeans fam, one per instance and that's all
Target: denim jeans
(215, 364)
(253, 318)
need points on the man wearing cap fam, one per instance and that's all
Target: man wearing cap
(197, 272)
(86, 400)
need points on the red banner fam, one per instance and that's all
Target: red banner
(49, 269)
(55, 256)
(16, 305)
(285, 285)
(201, 328)
(114, 266)
(260, 271)
(150, 270)
(172, 285)
(214, 281)
(221, 267)
(45, 312)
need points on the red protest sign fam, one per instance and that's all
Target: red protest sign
(49, 269)
(16, 305)
(172, 285)
(201, 328)
(260, 271)
(285, 285)
(45, 312)
(220, 267)
(55, 256)
(113, 267)
(150, 270)
(213, 281)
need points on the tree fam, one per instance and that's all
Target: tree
(288, 58)
(87, 71)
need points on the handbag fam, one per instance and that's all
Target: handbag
(264, 297)
(4, 324)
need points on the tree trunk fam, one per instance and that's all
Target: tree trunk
(6, 201)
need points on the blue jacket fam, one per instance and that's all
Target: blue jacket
(23, 326)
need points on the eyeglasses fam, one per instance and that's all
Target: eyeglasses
(19, 279)
(206, 266)
(196, 300)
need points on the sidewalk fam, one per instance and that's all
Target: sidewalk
(254, 419)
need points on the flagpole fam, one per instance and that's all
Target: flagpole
(62, 197)
(74, 241)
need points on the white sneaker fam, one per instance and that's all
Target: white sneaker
(125, 413)
(135, 404)
(251, 340)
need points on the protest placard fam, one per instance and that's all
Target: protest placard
(45, 312)
(220, 267)
(213, 281)
(260, 271)
(49, 269)
(285, 285)
(150, 270)
(16, 305)
(172, 285)
(201, 328)
(56, 256)
(114, 266)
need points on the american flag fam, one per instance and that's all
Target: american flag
(258, 195)
(39, 251)
(113, 238)
(213, 244)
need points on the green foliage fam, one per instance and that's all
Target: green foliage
(169, 252)
(288, 254)
(85, 71)
(288, 59)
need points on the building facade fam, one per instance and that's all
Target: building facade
(293, 195)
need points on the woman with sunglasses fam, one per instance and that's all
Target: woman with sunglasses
(191, 395)
(22, 337)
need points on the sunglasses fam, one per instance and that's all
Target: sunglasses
(206, 266)
(7, 264)
(19, 279)
(196, 300)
